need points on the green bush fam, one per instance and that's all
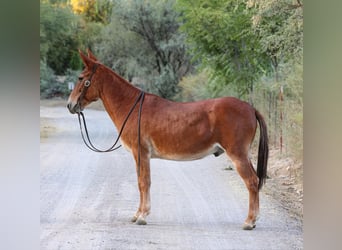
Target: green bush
(165, 84)
(50, 87)
(47, 77)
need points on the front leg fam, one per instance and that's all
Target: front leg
(144, 183)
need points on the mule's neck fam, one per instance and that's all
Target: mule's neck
(117, 95)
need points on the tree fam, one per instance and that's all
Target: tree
(93, 10)
(58, 36)
(222, 38)
(123, 50)
(279, 25)
(155, 45)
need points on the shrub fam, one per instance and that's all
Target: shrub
(52, 86)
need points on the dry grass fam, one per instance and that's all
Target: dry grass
(285, 178)
(285, 182)
(46, 128)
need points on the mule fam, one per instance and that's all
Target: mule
(175, 130)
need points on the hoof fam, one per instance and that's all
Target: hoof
(248, 226)
(141, 221)
(134, 219)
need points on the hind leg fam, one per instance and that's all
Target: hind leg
(245, 169)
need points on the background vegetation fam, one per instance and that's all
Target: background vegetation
(187, 50)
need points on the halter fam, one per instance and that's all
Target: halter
(86, 86)
(86, 139)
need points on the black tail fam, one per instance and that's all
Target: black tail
(263, 150)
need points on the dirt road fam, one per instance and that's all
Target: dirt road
(87, 198)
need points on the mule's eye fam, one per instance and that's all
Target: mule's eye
(80, 79)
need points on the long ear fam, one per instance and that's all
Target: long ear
(91, 55)
(86, 60)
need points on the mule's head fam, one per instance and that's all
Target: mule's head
(86, 88)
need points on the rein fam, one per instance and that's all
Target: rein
(86, 138)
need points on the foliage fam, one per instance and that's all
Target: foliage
(222, 38)
(156, 47)
(62, 33)
(89, 36)
(58, 26)
(280, 27)
(98, 11)
(123, 50)
(50, 87)
(46, 78)
(140, 40)
(166, 83)
(279, 24)
(70, 76)
(194, 86)
(283, 113)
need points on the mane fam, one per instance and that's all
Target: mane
(127, 89)
(121, 79)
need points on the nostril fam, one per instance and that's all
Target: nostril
(69, 106)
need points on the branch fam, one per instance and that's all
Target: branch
(299, 3)
(295, 6)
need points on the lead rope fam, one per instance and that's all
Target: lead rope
(88, 142)
(139, 117)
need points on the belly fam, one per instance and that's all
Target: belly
(187, 155)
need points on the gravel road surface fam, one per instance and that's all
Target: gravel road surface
(87, 198)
